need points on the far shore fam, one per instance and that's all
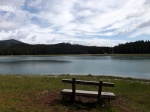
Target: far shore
(75, 75)
(140, 55)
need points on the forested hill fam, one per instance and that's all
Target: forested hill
(61, 48)
(138, 47)
(8, 43)
(14, 47)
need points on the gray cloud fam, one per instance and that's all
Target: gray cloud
(19, 35)
(144, 24)
(147, 2)
(33, 38)
(134, 15)
(14, 3)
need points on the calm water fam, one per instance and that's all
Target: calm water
(137, 67)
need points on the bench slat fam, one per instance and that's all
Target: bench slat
(104, 95)
(80, 93)
(109, 84)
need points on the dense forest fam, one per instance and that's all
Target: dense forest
(14, 47)
(138, 47)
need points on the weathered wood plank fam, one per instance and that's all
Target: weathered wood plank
(109, 84)
(108, 95)
(80, 93)
(104, 95)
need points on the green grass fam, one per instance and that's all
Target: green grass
(41, 93)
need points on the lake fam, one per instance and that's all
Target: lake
(124, 66)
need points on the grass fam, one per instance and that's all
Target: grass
(41, 94)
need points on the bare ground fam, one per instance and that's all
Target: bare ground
(51, 102)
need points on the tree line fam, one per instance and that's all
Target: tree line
(61, 48)
(138, 47)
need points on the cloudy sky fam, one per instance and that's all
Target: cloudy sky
(86, 22)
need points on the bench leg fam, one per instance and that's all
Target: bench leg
(69, 98)
(65, 97)
(109, 101)
(99, 101)
(72, 99)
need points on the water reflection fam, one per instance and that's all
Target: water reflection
(137, 67)
(129, 58)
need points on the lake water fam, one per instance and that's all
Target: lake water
(124, 66)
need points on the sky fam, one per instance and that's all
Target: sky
(85, 22)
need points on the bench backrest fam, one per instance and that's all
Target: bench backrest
(108, 84)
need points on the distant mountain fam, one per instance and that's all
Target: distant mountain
(7, 43)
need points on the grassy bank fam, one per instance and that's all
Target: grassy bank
(41, 94)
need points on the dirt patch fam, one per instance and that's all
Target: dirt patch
(122, 104)
(52, 102)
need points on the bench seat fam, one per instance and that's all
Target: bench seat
(104, 95)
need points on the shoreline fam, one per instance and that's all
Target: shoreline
(140, 55)
(75, 75)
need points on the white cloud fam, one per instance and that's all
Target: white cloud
(7, 8)
(8, 25)
(17, 34)
(12, 16)
(35, 3)
(14, 3)
(75, 21)
(141, 31)
(87, 41)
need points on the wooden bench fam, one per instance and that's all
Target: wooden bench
(96, 94)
